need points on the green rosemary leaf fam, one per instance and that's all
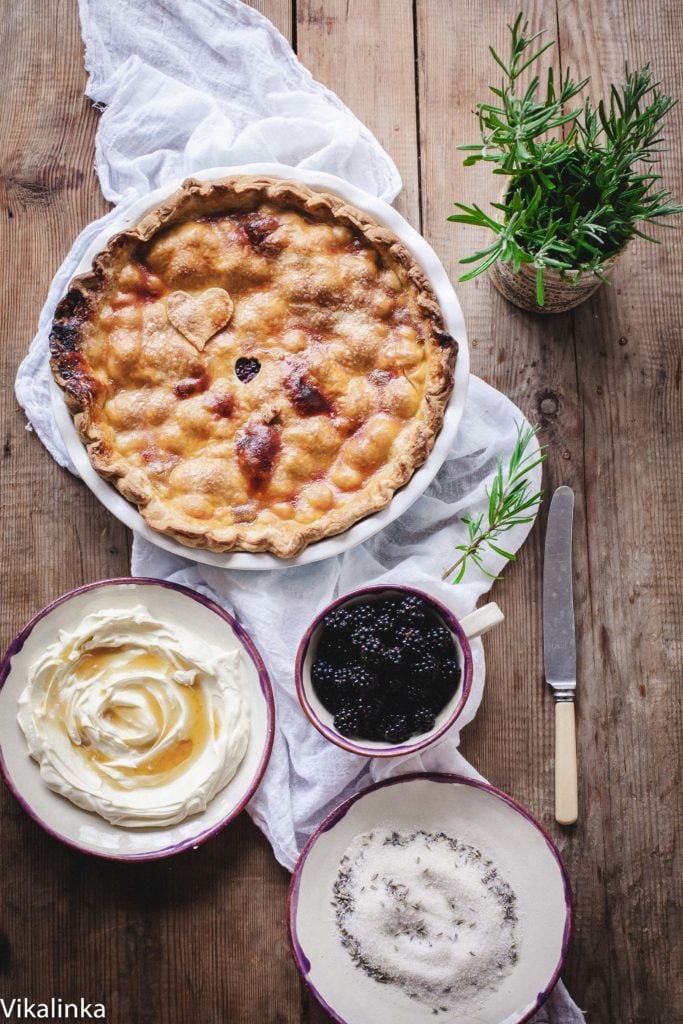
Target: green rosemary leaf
(501, 551)
(530, 60)
(482, 267)
(540, 290)
(461, 573)
(498, 60)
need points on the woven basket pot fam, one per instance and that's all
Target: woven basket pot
(561, 293)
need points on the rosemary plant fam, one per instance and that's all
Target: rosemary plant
(575, 198)
(511, 502)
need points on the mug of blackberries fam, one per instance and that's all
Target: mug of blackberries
(387, 670)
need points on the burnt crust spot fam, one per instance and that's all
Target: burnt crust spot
(65, 336)
(72, 312)
(444, 340)
(305, 396)
(258, 446)
(195, 384)
(222, 405)
(258, 228)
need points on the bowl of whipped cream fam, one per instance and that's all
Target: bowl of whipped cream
(136, 718)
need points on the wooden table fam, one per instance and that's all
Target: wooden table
(202, 937)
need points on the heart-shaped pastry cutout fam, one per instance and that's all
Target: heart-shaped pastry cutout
(198, 317)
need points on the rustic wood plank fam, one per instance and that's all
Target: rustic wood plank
(201, 937)
(280, 12)
(364, 53)
(48, 191)
(628, 350)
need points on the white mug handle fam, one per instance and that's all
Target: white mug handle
(481, 620)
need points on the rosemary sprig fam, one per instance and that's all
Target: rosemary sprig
(575, 196)
(510, 503)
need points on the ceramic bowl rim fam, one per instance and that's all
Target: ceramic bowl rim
(399, 749)
(450, 778)
(16, 645)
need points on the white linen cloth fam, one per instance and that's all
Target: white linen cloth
(190, 84)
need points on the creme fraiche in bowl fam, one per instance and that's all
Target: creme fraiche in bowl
(136, 718)
(387, 670)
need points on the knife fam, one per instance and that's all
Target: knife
(559, 649)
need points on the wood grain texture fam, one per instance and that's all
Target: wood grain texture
(628, 354)
(202, 937)
(364, 52)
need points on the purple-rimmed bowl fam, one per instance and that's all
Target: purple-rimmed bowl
(476, 814)
(85, 830)
(461, 631)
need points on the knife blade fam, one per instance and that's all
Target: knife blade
(559, 648)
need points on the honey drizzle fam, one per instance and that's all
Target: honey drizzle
(171, 761)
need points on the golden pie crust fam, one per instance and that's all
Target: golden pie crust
(256, 365)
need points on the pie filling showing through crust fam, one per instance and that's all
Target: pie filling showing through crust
(256, 365)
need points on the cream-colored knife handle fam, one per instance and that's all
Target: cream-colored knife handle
(566, 783)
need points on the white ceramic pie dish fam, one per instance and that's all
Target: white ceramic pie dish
(85, 830)
(405, 497)
(476, 814)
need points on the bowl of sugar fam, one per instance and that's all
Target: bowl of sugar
(430, 896)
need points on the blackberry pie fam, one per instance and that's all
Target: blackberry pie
(256, 365)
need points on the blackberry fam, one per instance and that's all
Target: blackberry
(414, 645)
(439, 641)
(338, 622)
(362, 635)
(342, 676)
(411, 610)
(425, 670)
(370, 709)
(395, 727)
(392, 659)
(361, 615)
(322, 670)
(322, 677)
(449, 675)
(372, 652)
(347, 721)
(334, 693)
(384, 625)
(445, 685)
(360, 682)
(450, 667)
(422, 719)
